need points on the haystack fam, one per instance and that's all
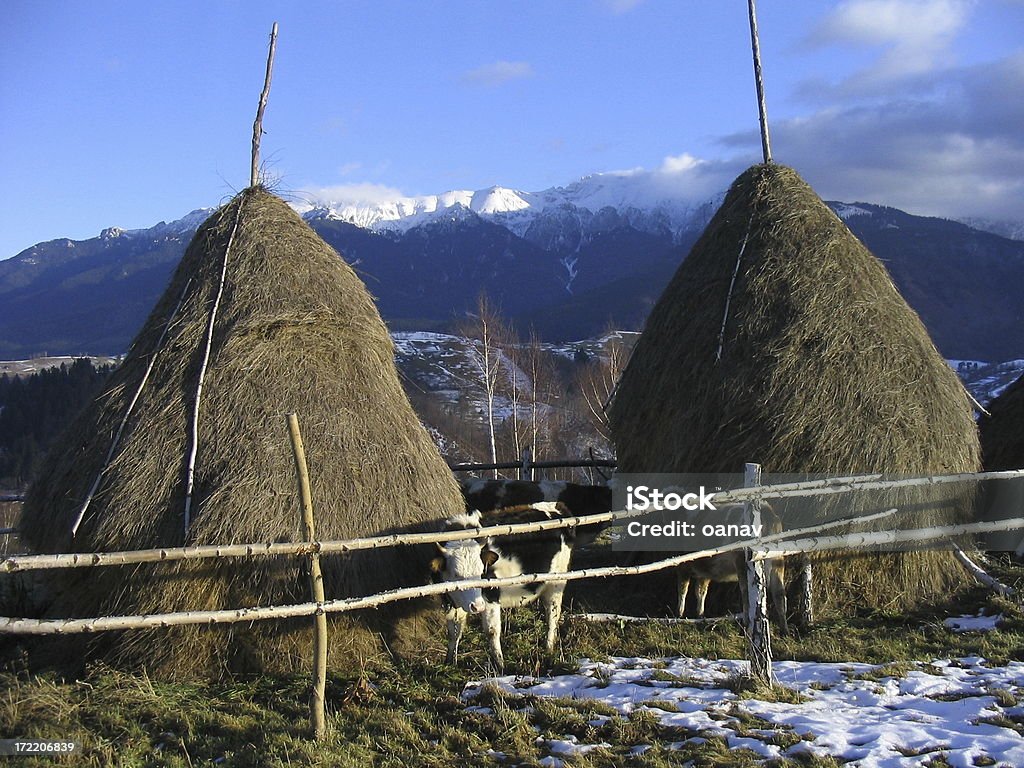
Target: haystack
(822, 368)
(296, 331)
(1002, 433)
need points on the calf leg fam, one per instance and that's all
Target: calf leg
(777, 593)
(703, 585)
(683, 577)
(492, 628)
(456, 623)
(552, 599)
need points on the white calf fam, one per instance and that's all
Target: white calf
(500, 557)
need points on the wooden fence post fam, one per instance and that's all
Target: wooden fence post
(758, 630)
(805, 600)
(316, 585)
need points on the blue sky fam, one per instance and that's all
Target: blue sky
(126, 113)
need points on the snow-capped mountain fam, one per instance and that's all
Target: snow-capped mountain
(186, 225)
(404, 213)
(568, 261)
(600, 201)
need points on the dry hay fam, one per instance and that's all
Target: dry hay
(824, 369)
(296, 331)
(1002, 433)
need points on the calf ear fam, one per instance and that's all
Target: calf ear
(437, 565)
(489, 556)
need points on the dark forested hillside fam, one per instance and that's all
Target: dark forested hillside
(34, 410)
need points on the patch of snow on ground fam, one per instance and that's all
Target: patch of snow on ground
(569, 746)
(972, 623)
(889, 722)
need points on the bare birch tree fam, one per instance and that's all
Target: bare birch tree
(483, 331)
(597, 381)
(542, 395)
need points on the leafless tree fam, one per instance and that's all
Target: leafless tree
(484, 330)
(597, 380)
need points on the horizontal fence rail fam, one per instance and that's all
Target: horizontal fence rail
(130, 557)
(10, 625)
(854, 483)
(783, 490)
(861, 540)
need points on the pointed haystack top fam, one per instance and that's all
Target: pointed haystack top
(296, 331)
(823, 366)
(1002, 433)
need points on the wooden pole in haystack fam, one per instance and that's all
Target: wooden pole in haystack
(257, 126)
(762, 108)
(316, 585)
(758, 631)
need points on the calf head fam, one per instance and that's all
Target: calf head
(464, 560)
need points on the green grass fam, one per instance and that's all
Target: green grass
(410, 713)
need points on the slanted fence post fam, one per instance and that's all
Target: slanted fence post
(758, 630)
(316, 585)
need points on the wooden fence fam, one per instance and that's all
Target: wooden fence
(790, 542)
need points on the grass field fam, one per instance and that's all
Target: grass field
(413, 713)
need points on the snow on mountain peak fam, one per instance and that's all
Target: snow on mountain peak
(653, 195)
(184, 226)
(499, 200)
(401, 212)
(845, 211)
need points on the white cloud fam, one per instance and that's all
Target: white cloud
(363, 193)
(915, 34)
(679, 163)
(686, 177)
(953, 149)
(621, 6)
(497, 73)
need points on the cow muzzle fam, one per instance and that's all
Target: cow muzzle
(470, 600)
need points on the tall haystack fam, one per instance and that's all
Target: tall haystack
(822, 367)
(1002, 433)
(295, 330)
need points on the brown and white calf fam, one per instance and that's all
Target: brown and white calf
(499, 557)
(732, 566)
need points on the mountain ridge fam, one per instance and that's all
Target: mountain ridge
(568, 270)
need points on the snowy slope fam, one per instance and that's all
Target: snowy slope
(186, 225)
(644, 201)
(986, 381)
